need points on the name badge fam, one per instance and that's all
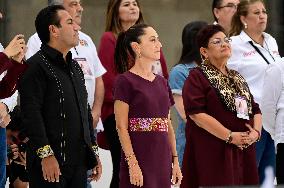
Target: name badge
(241, 107)
(157, 68)
(84, 66)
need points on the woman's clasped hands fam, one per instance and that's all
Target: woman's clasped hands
(244, 139)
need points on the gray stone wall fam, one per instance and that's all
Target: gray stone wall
(167, 16)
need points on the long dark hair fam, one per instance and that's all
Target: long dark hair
(124, 56)
(113, 23)
(190, 50)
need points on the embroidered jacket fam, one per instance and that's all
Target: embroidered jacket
(55, 111)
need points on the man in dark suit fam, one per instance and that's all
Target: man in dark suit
(55, 110)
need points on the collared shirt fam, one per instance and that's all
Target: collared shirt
(250, 64)
(85, 53)
(46, 116)
(273, 101)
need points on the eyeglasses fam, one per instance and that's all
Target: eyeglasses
(219, 42)
(229, 5)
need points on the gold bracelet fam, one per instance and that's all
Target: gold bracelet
(259, 135)
(229, 139)
(44, 151)
(127, 158)
(130, 166)
(96, 149)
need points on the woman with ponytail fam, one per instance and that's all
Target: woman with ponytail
(120, 16)
(142, 101)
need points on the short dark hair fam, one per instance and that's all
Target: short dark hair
(55, 2)
(124, 56)
(216, 4)
(206, 33)
(46, 17)
(190, 50)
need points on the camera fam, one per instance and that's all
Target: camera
(15, 133)
(22, 147)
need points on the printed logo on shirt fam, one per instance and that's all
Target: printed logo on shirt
(83, 42)
(275, 52)
(84, 66)
(246, 54)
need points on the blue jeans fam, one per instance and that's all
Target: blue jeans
(265, 154)
(3, 156)
(180, 141)
(89, 173)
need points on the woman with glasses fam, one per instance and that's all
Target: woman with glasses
(223, 121)
(223, 11)
(253, 51)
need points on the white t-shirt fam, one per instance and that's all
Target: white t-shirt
(273, 101)
(86, 55)
(250, 64)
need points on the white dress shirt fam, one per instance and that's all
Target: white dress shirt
(250, 64)
(273, 101)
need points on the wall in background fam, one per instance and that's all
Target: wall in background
(167, 16)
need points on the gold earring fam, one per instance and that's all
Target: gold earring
(204, 59)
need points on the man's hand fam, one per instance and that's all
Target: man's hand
(50, 169)
(97, 171)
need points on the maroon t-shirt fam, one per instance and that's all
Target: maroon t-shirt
(106, 55)
(146, 99)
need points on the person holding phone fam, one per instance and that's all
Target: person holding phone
(11, 68)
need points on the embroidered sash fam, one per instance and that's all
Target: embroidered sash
(148, 124)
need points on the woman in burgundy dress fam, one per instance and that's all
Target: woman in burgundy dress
(142, 103)
(120, 16)
(223, 121)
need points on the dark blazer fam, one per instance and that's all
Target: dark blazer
(55, 110)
